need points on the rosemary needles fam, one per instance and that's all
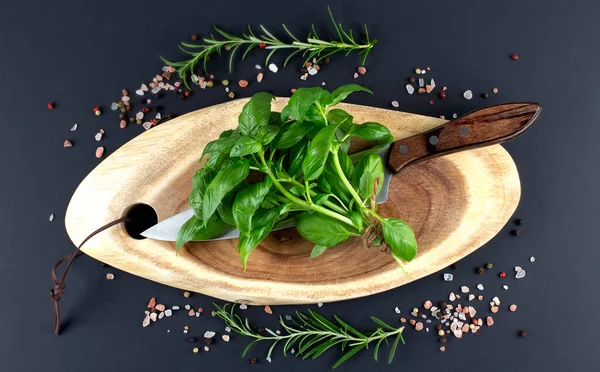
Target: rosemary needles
(311, 47)
(314, 334)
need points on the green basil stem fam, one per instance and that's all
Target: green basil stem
(299, 202)
(338, 169)
(327, 203)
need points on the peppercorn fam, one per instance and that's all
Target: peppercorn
(489, 266)
(485, 95)
(123, 109)
(454, 265)
(412, 80)
(207, 341)
(195, 350)
(131, 119)
(438, 327)
(303, 71)
(431, 102)
(145, 110)
(50, 105)
(210, 84)
(519, 221)
(262, 45)
(480, 270)
(181, 96)
(443, 340)
(138, 121)
(514, 232)
(514, 57)
(327, 60)
(260, 330)
(97, 112)
(225, 82)
(121, 116)
(194, 37)
(523, 333)
(231, 95)
(186, 294)
(253, 361)
(502, 274)
(442, 95)
(443, 304)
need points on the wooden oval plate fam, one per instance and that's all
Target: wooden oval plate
(455, 204)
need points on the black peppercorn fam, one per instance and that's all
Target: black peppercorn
(485, 95)
(454, 265)
(192, 339)
(121, 116)
(412, 80)
(519, 221)
(303, 70)
(327, 60)
(443, 304)
(514, 232)
(261, 330)
(438, 327)
(443, 340)
(194, 37)
(480, 270)
(523, 333)
(207, 341)
(181, 97)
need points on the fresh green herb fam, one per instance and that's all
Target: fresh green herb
(312, 47)
(305, 173)
(313, 334)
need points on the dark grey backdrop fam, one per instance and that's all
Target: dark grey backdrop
(81, 54)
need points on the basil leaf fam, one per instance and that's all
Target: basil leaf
(230, 176)
(216, 160)
(226, 133)
(263, 223)
(323, 183)
(320, 199)
(356, 218)
(196, 229)
(285, 114)
(200, 182)
(221, 145)
(322, 229)
(401, 239)
(245, 146)
(370, 163)
(224, 209)
(314, 116)
(302, 99)
(297, 154)
(275, 119)
(255, 114)
(340, 118)
(266, 134)
(336, 186)
(373, 132)
(344, 91)
(247, 202)
(366, 185)
(316, 156)
(297, 190)
(346, 163)
(317, 251)
(290, 135)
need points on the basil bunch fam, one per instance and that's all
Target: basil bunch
(305, 174)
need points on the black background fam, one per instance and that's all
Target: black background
(80, 54)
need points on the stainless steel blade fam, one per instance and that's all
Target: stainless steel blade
(167, 229)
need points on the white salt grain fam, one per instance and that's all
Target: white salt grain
(518, 268)
(397, 310)
(452, 296)
(114, 106)
(273, 67)
(139, 92)
(480, 287)
(98, 136)
(505, 287)
(168, 312)
(51, 218)
(206, 348)
(320, 304)
(421, 82)
(243, 307)
(304, 77)
(225, 338)
(227, 329)
(496, 301)
(410, 89)
(464, 289)
(74, 127)
(147, 125)
(448, 277)
(468, 94)
(257, 67)
(520, 274)
(312, 71)
(395, 103)
(532, 259)
(209, 334)
(161, 315)
(175, 307)
(155, 90)
(146, 321)
(125, 99)
(454, 116)
(432, 83)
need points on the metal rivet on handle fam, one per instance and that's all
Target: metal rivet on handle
(403, 149)
(434, 140)
(464, 131)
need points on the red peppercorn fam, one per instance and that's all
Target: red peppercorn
(50, 105)
(442, 95)
(253, 361)
(187, 93)
(145, 110)
(502, 274)
(514, 57)
(431, 102)
(262, 45)
(97, 108)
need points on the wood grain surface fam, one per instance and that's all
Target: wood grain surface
(454, 203)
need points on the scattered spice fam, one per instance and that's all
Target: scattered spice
(523, 333)
(519, 221)
(268, 309)
(243, 83)
(484, 95)
(50, 105)
(502, 274)
(195, 350)
(495, 90)
(489, 266)
(442, 95)
(99, 152)
(362, 70)
(110, 276)
(186, 294)
(480, 270)
(514, 57)
(67, 143)
(152, 303)
(513, 307)
(253, 361)
(231, 95)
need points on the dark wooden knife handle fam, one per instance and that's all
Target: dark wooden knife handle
(478, 128)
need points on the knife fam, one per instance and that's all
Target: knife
(479, 128)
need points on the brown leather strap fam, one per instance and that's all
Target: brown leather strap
(59, 285)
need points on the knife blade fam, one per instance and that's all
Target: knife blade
(479, 128)
(167, 229)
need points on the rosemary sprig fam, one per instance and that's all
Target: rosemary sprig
(313, 47)
(314, 334)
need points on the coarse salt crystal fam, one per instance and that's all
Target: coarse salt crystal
(395, 103)
(480, 287)
(273, 67)
(168, 312)
(187, 307)
(454, 116)
(421, 82)
(468, 94)
(139, 92)
(146, 321)
(452, 296)
(312, 71)
(110, 276)
(155, 90)
(74, 127)
(432, 83)
(165, 68)
(505, 287)
(448, 277)
(209, 334)
(496, 301)
(206, 348)
(114, 106)
(243, 307)
(175, 307)
(161, 315)
(153, 316)
(518, 268)
(225, 338)
(320, 304)
(397, 310)
(410, 89)
(147, 125)
(144, 88)
(51, 218)
(259, 77)
(520, 274)
(227, 329)
(532, 259)
(98, 136)
(303, 77)
(257, 67)
(464, 289)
